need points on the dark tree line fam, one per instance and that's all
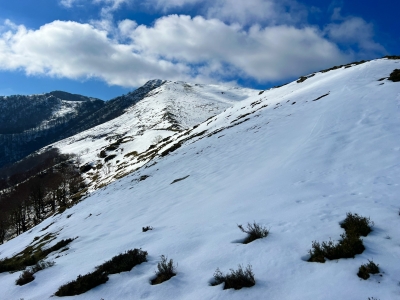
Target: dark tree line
(35, 196)
(28, 123)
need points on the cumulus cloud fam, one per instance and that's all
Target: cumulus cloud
(247, 12)
(268, 53)
(262, 40)
(244, 12)
(175, 48)
(353, 31)
(74, 50)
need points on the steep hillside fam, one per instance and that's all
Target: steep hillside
(115, 148)
(113, 108)
(28, 123)
(20, 113)
(294, 159)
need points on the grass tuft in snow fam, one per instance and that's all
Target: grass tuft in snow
(237, 279)
(165, 270)
(350, 243)
(255, 231)
(120, 263)
(366, 269)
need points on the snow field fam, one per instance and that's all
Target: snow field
(296, 169)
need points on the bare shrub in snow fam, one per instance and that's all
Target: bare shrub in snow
(25, 277)
(255, 231)
(395, 75)
(237, 279)
(350, 243)
(165, 270)
(120, 263)
(358, 225)
(156, 140)
(366, 269)
(147, 228)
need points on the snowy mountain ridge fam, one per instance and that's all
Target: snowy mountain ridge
(28, 123)
(113, 148)
(295, 159)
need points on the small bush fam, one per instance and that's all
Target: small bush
(392, 57)
(112, 147)
(165, 270)
(25, 277)
(120, 263)
(347, 247)
(57, 246)
(395, 75)
(85, 168)
(110, 157)
(147, 228)
(123, 262)
(236, 279)
(301, 79)
(350, 243)
(355, 224)
(366, 269)
(82, 284)
(143, 177)
(254, 231)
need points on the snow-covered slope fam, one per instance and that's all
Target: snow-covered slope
(166, 110)
(295, 159)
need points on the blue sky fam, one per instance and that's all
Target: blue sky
(104, 48)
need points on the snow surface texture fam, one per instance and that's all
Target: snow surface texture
(166, 110)
(296, 166)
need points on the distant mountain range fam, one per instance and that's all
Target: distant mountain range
(28, 123)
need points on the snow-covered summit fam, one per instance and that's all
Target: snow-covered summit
(164, 111)
(295, 159)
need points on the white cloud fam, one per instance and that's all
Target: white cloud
(247, 12)
(74, 50)
(269, 53)
(263, 40)
(68, 3)
(243, 12)
(353, 31)
(175, 48)
(126, 27)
